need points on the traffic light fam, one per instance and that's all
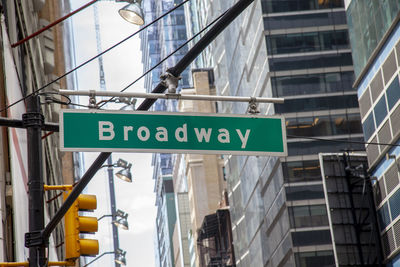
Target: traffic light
(75, 224)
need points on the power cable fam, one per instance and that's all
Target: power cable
(342, 141)
(164, 59)
(93, 58)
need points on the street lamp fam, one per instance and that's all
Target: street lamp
(120, 257)
(122, 220)
(132, 12)
(124, 174)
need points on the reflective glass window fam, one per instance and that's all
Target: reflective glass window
(394, 203)
(368, 126)
(304, 192)
(384, 217)
(273, 6)
(315, 258)
(308, 216)
(308, 62)
(317, 103)
(299, 171)
(311, 238)
(380, 110)
(312, 83)
(393, 93)
(315, 147)
(307, 42)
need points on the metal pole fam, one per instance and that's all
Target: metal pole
(33, 121)
(174, 96)
(229, 16)
(113, 206)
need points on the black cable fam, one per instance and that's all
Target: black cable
(93, 58)
(164, 59)
(341, 140)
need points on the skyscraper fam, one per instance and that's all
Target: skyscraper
(159, 41)
(374, 28)
(298, 50)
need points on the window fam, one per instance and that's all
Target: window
(309, 20)
(308, 216)
(393, 93)
(306, 42)
(299, 171)
(273, 6)
(368, 126)
(315, 258)
(304, 192)
(380, 110)
(311, 238)
(317, 103)
(394, 203)
(312, 83)
(308, 62)
(383, 215)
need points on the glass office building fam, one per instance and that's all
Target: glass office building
(299, 50)
(157, 42)
(375, 38)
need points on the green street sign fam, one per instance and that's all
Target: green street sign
(166, 132)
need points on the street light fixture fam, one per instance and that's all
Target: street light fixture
(120, 257)
(132, 12)
(121, 220)
(124, 174)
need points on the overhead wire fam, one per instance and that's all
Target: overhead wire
(164, 59)
(95, 57)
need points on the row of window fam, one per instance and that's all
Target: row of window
(274, 6)
(308, 20)
(317, 103)
(317, 83)
(311, 238)
(310, 62)
(307, 42)
(305, 192)
(382, 108)
(323, 125)
(315, 147)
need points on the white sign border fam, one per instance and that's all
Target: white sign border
(173, 151)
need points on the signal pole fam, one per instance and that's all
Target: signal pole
(33, 120)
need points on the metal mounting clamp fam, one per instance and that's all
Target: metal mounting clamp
(253, 109)
(170, 81)
(92, 99)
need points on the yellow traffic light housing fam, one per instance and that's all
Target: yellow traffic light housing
(75, 224)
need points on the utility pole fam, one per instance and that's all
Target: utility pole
(33, 121)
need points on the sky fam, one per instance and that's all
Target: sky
(122, 65)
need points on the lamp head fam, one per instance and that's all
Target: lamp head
(125, 174)
(121, 220)
(132, 12)
(120, 257)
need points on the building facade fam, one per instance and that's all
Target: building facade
(26, 67)
(375, 41)
(298, 50)
(157, 42)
